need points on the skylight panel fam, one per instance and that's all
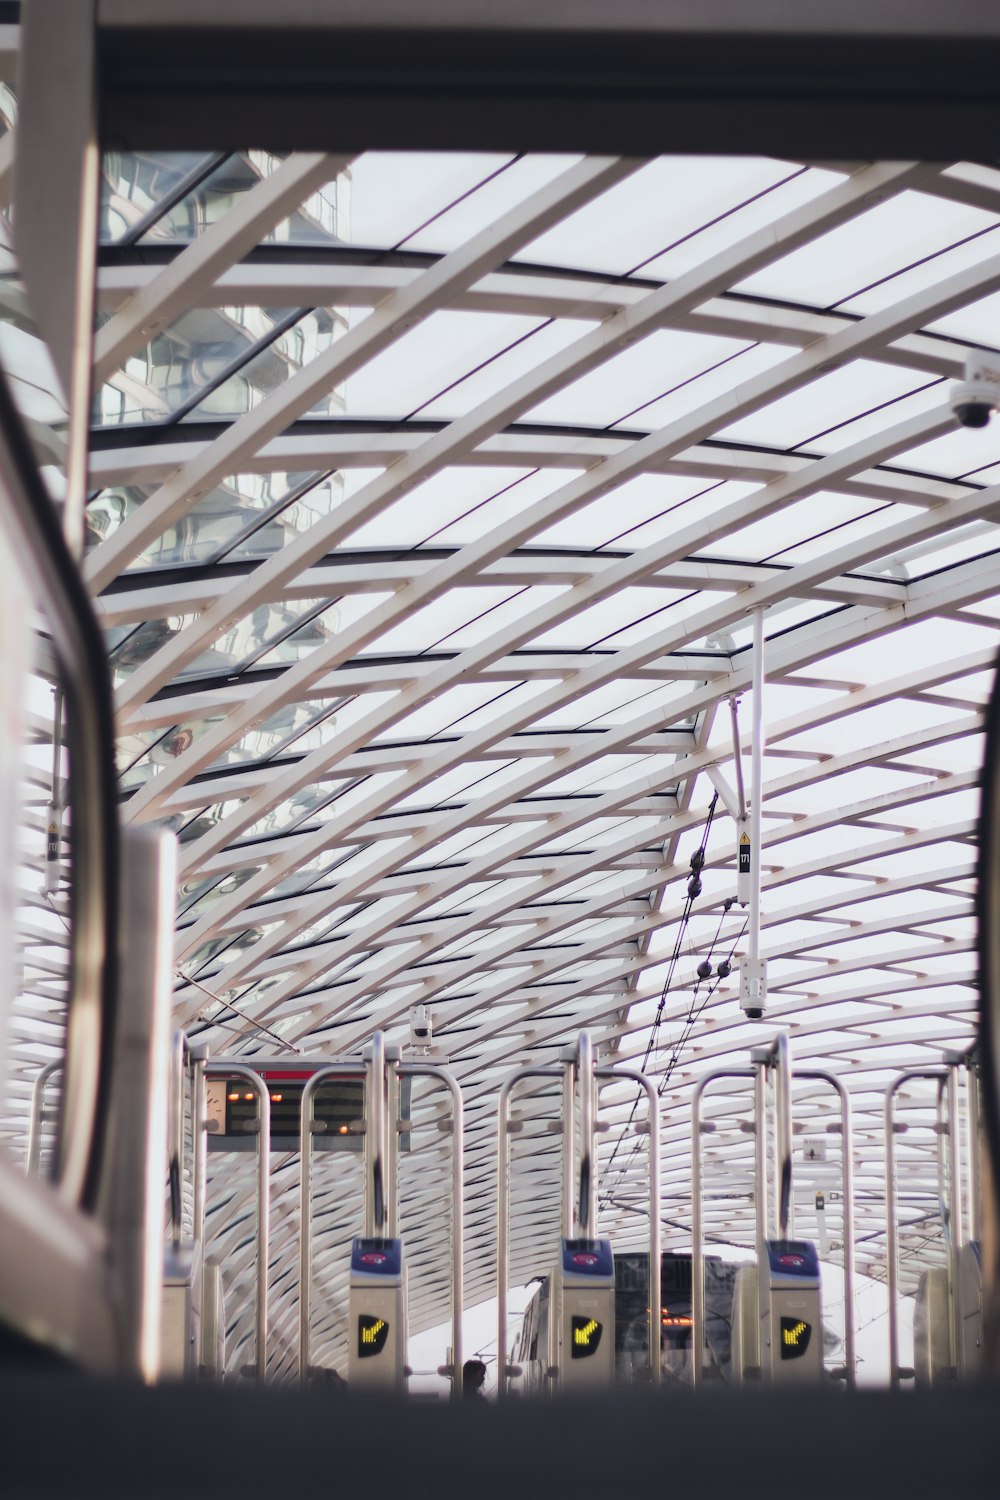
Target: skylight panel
(879, 243)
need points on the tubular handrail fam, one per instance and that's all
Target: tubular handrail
(503, 1208)
(697, 1234)
(175, 1134)
(198, 1055)
(263, 1204)
(38, 1088)
(570, 1071)
(375, 1139)
(34, 534)
(586, 1196)
(332, 1070)
(847, 1183)
(431, 1070)
(892, 1229)
(655, 1262)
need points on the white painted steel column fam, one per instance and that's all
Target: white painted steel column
(756, 763)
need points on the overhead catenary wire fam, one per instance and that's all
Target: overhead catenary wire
(693, 891)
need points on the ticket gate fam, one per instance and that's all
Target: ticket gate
(180, 1323)
(934, 1359)
(581, 1331)
(213, 1320)
(745, 1345)
(584, 1286)
(377, 1324)
(947, 1313)
(969, 1308)
(938, 1300)
(777, 1326)
(376, 1086)
(791, 1325)
(377, 1315)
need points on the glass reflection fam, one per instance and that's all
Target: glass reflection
(216, 362)
(246, 517)
(156, 196)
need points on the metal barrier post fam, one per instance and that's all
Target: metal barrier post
(655, 1261)
(587, 1196)
(569, 1205)
(375, 1138)
(697, 1231)
(38, 1088)
(956, 1196)
(847, 1187)
(333, 1070)
(392, 1141)
(175, 1165)
(892, 1229)
(503, 1209)
(429, 1070)
(975, 1147)
(775, 1060)
(263, 1202)
(762, 1207)
(198, 1056)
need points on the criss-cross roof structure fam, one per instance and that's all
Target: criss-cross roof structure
(431, 500)
(432, 497)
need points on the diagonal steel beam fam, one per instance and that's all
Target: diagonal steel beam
(398, 313)
(183, 282)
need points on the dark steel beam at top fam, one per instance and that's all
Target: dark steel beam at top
(860, 78)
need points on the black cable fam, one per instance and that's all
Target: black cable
(692, 1019)
(697, 865)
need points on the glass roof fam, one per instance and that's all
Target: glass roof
(427, 536)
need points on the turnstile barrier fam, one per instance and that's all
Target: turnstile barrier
(947, 1322)
(782, 1289)
(581, 1302)
(377, 1314)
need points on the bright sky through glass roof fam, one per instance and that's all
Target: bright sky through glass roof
(427, 537)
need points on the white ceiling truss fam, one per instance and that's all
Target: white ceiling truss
(425, 629)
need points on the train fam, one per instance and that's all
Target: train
(531, 1350)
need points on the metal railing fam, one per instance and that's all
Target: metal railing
(32, 531)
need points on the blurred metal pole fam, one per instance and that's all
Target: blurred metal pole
(56, 199)
(134, 1202)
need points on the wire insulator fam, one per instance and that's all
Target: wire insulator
(725, 969)
(694, 887)
(704, 970)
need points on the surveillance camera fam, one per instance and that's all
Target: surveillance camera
(974, 399)
(421, 1025)
(753, 987)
